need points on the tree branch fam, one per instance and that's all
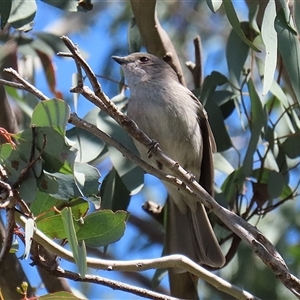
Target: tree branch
(155, 38)
(178, 261)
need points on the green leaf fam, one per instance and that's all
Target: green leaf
(275, 184)
(22, 14)
(222, 164)
(113, 192)
(290, 50)
(131, 175)
(214, 5)
(43, 206)
(233, 185)
(102, 228)
(98, 229)
(59, 296)
(52, 41)
(235, 23)
(66, 186)
(87, 180)
(78, 250)
(5, 12)
(134, 37)
(257, 123)
(54, 113)
(236, 54)
(291, 146)
(89, 146)
(67, 5)
(57, 155)
(269, 37)
(214, 112)
(296, 5)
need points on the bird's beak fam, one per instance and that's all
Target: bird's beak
(119, 59)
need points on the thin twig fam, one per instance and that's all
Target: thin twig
(26, 85)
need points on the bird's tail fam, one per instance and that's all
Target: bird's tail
(191, 234)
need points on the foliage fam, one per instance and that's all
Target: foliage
(253, 107)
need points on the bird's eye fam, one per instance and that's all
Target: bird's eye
(144, 59)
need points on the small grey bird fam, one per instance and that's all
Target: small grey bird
(170, 114)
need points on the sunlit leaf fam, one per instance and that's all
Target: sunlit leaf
(214, 5)
(235, 23)
(78, 250)
(54, 113)
(29, 229)
(67, 5)
(269, 37)
(102, 228)
(22, 14)
(59, 296)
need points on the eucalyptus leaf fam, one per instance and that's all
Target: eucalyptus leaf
(289, 49)
(235, 23)
(257, 123)
(54, 113)
(236, 54)
(114, 194)
(78, 250)
(22, 14)
(5, 12)
(102, 228)
(291, 146)
(134, 37)
(269, 37)
(29, 230)
(214, 5)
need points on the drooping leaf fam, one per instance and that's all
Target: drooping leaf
(235, 23)
(87, 180)
(114, 194)
(269, 37)
(236, 54)
(233, 185)
(29, 230)
(131, 175)
(289, 49)
(214, 5)
(5, 12)
(214, 112)
(22, 14)
(291, 146)
(52, 41)
(78, 249)
(49, 71)
(257, 123)
(134, 37)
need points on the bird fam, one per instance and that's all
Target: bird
(172, 115)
